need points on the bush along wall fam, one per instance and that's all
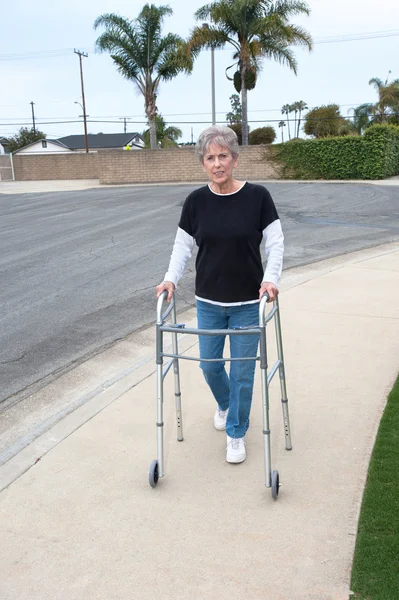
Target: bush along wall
(375, 155)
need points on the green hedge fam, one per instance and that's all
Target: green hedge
(375, 155)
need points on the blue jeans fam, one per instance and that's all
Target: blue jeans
(234, 392)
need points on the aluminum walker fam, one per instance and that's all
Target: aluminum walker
(157, 466)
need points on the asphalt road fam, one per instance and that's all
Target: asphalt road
(78, 269)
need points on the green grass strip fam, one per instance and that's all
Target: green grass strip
(375, 573)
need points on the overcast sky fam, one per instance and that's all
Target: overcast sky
(334, 72)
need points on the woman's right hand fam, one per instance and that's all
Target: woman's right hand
(168, 286)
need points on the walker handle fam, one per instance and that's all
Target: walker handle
(262, 308)
(161, 317)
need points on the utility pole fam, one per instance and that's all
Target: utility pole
(33, 117)
(206, 26)
(124, 119)
(213, 85)
(80, 54)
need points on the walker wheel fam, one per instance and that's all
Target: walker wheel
(153, 474)
(275, 484)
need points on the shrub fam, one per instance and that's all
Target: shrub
(375, 155)
(383, 158)
(262, 135)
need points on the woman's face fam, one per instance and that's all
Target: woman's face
(219, 164)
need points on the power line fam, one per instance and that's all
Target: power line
(357, 37)
(36, 54)
(223, 122)
(40, 54)
(183, 114)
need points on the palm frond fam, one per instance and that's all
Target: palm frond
(376, 82)
(207, 37)
(150, 11)
(128, 69)
(173, 133)
(114, 22)
(287, 8)
(205, 11)
(279, 52)
(230, 15)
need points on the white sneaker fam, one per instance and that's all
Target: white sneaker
(219, 419)
(235, 450)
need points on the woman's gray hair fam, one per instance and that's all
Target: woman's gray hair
(223, 136)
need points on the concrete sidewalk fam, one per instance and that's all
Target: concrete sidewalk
(53, 185)
(83, 523)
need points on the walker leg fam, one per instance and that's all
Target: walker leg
(160, 423)
(283, 387)
(157, 466)
(265, 406)
(179, 416)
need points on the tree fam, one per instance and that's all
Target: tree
(294, 109)
(297, 108)
(388, 99)
(257, 30)
(24, 137)
(166, 136)
(282, 124)
(142, 55)
(237, 128)
(361, 117)
(325, 121)
(262, 135)
(286, 109)
(235, 116)
(301, 106)
(385, 110)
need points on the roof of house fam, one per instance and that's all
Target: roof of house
(3, 140)
(56, 142)
(99, 140)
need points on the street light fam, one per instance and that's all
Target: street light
(206, 26)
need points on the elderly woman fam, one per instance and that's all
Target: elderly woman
(227, 219)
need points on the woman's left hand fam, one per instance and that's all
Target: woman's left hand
(270, 288)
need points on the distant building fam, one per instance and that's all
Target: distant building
(104, 141)
(76, 143)
(44, 147)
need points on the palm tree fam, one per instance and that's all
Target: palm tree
(361, 116)
(294, 109)
(388, 98)
(384, 110)
(256, 29)
(301, 107)
(142, 55)
(166, 136)
(282, 124)
(286, 109)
